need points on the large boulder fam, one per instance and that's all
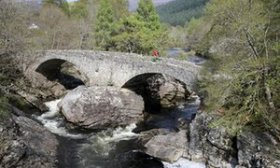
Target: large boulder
(169, 147)
(166, 90)
(258, 150)
(26, 143)
(214, 146)
(101, 107)
(217, 148)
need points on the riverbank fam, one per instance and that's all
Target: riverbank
(213, 147)
(177, 136)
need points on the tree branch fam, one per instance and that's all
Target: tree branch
(251, 44)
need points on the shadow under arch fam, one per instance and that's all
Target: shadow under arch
(62, 71)
(147, 85)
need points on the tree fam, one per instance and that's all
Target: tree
(12, 29)
(154, 35)
(272, 9)
(79, 9)
(140, 32)
(13, 38)
(128, 36)
(83, 13)
(197, 32)
(62, 4)
(120, 9)
(179, 12)
(57, 30)
(146, 13)
(104, 25)
(245, 66)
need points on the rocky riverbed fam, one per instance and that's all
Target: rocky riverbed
(109, 127)
(26, 143)
(120, 131)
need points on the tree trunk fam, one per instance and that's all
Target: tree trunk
(269, 97)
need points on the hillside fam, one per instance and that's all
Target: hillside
(178, 12)
(134, 3)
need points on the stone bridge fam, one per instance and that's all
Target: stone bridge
(102, 68)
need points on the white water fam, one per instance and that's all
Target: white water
(121, 134)
(103, 142)
(53, 125)
(184, 163)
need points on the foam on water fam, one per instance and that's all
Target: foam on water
(121, 134)
(49, 121)
(105, 141)
(184, 163)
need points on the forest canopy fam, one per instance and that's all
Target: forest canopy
(179, 12)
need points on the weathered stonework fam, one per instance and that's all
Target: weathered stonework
(103, 68)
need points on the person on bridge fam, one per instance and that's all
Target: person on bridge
(155, 55)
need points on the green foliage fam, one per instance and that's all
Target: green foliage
(153, 34)
(177, 37)
(146, 13)
(120, 8)
(179, 12)
(244, 85)
(140, 32)
(194, 24)
(79, 9)
(104, 25)
(62, 4)
(197, 37)
(127, 35)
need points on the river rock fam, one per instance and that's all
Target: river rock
(213, 146)
(166, 90)
(217, 148)
(146, 136)
(101, 107)
(25, 143)
(57, 90)
(169, 147)
(136, 159)
(258, 150)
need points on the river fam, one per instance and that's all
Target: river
(187, 55)
(119, 147)
(113, 147)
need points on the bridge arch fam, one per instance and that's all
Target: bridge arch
(63, 72)
(158, 90)
(103, 68)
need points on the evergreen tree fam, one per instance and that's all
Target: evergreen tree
(120, 8)
(128, 34)
(146, 13)
(104, 25)
(141, 32)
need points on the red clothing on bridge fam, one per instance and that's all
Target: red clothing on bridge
(155, 53)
